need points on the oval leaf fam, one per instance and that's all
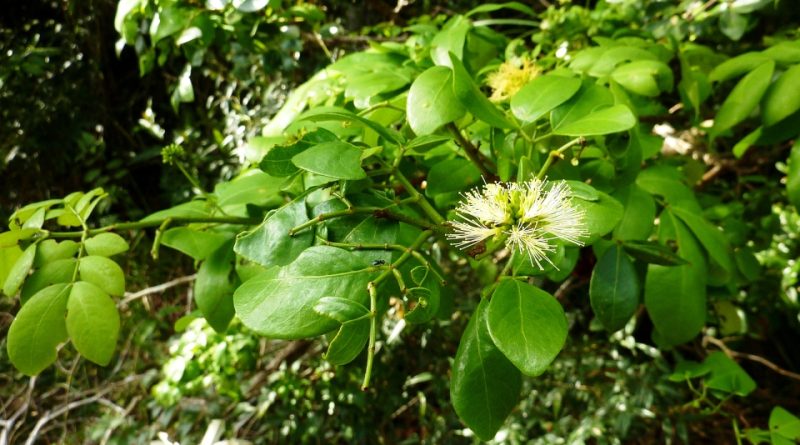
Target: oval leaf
(783, 98)
(541, 95)
(269, 244)
(432, 101)
(103, 273)
(106, 244)
(279, 303)
(744, 98)
(600, 216)
(675, 297)
(605, 121)
(644, 77)
(614, 289)
(472, 98)
(527, 324)
(198, 244)
(349, 342)
(485, 386)
(337, 159)
(92, 322)
(340, 309)
(214, 286)
(38, 329)
(19, 271)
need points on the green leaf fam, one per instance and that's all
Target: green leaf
(432, 101)
(485, 385)
(727, 375)
(653, 253)
(614, 289)
(167, 21)
(600, 216)
(8, 257)
(744, 98)
(348, 342)
(605, 121)
(589, 98)
(19, 271)
(340, 309)
(644, 77)
(712, 238)
(278, 160)
(472, 98)
(38, 329)
(195, 243)
(192, 209)
(364, 86)
(421, 144)
(616, 55)
(675, 297)
(668, 182)
(422, 302)
(784, 53)
(491, 7)
(214, 286)
(269, 244)
(347, 118)
(452, 175)
(542, 94)
(451, 38)
(782, 98)
(527, 324)
(279, 303)
(639, 215)
(106, 244)
(59, 271)
(49, 250)
(13, 237)
(339, 160)
(103, 273)
(793, 175)
(254, 188)
(784, 426)
(746, 142)
(92, 322)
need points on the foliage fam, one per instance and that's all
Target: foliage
(478, 168)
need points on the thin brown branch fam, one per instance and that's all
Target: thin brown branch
(484, 164)
(755, 358)
(132, 296)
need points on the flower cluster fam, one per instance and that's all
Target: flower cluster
(528, 216)
(510, 77)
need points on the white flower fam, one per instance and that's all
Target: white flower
(527, 216)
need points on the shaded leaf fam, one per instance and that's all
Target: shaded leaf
(485, 385)
(269, 244)
(614, 289)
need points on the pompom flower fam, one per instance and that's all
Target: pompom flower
(510, 77)
(527, 216)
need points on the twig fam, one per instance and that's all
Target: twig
(484, 164)
(755, 358)
(131, 296)
(63, 409)
(8, 425)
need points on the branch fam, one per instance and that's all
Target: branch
(734, 354)
(484, 164)
(155, 223)
(131, 296)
